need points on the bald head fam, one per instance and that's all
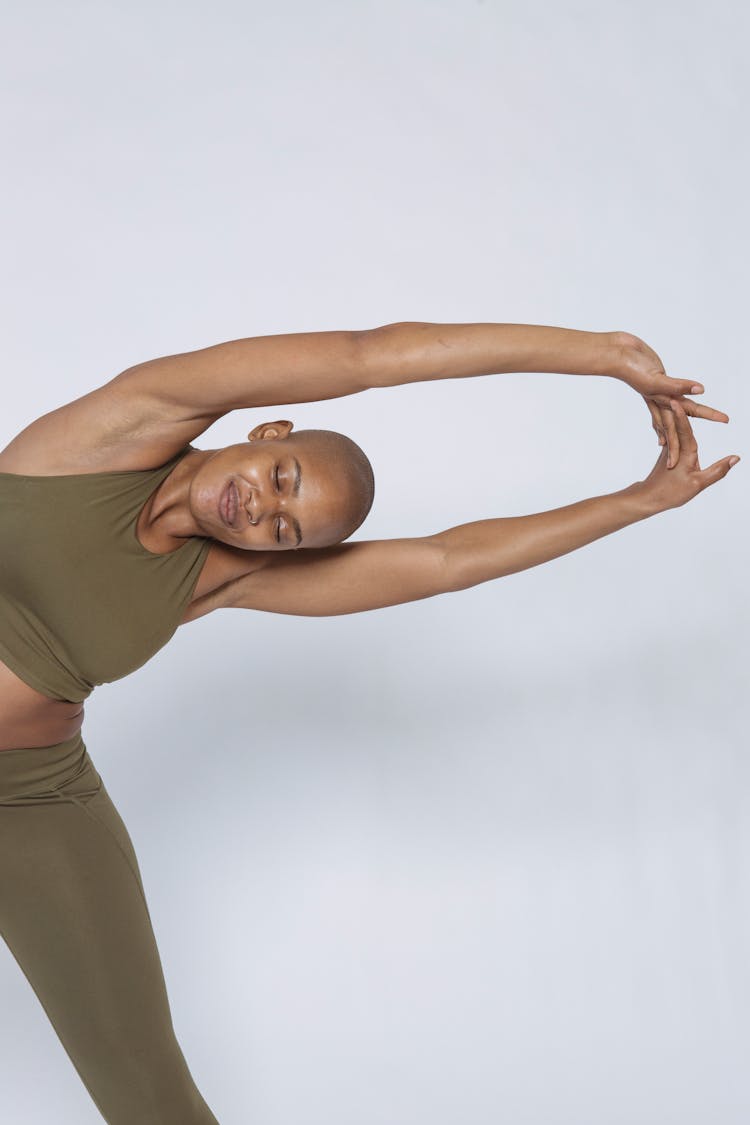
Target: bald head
(350, 464)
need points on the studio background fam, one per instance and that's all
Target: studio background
(478, 858)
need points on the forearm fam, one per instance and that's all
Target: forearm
(413, 351)
(477, 552)
(257, 371)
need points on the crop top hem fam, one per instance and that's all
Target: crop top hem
(29, 678)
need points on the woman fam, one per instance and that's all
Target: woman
(115, 530)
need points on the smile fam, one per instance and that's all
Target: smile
(229, 504)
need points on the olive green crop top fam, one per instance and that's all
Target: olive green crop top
(82, 601)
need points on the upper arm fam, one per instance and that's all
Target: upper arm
(147, 412)
(347, 578)
(251, 372)
(104, 429)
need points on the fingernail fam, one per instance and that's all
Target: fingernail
(696, 390)
(733, 461)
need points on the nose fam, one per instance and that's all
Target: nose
(256, 507)
(252, 507)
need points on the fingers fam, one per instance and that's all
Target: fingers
(699, 410)
(672, 386)
(656, 418)
(670, 421)
(685, 436)
(690, 387)
(673, 439)
(718, 470)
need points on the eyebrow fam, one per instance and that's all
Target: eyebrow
(295, 491)
(297, 532)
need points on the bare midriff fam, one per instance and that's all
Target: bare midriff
(30, 719)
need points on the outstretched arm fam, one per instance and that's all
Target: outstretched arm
(312, 366)
(190, 391)
(415, 351)
(358, 576)
(353, 577)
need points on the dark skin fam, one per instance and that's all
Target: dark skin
(147, 413)
(186, 504)
(287, 486)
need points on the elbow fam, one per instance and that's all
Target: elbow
(382, 353)
(371, 356)
(461, 569)
(451, 573)
(457, 581)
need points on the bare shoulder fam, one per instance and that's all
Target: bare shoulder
(112, 428)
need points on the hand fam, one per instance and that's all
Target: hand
(672, 489)
(639, 366)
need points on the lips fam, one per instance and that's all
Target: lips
(229, 504)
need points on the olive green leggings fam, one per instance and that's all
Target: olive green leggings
(74, 915)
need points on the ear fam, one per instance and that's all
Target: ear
(268, 431)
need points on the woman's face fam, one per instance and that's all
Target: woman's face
(271, 494)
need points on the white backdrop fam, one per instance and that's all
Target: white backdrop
(484, 857)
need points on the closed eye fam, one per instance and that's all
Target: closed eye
(276, 477)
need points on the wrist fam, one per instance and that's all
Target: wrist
(571, 351)
(642, 500)
(613, 351)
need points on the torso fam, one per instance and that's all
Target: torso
(30, 719)
(27, 717)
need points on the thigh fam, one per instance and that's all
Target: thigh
(74, 915)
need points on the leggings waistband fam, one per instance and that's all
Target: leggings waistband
(37, 774)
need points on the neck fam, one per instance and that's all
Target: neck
(168, 516)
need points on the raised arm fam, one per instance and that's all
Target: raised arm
(359, 576)
(353, 577)
(312, 366)
(416, 351)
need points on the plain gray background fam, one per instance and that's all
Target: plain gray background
(484, 857)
